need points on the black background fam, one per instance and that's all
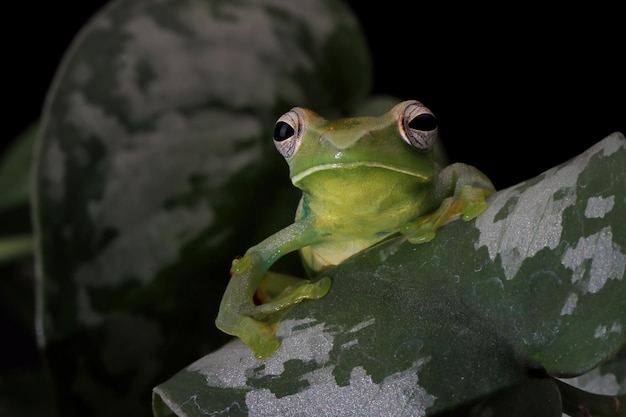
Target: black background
(516, 90)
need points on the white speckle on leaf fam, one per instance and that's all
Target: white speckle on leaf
(607, 260)
(533, 221)
(93, 121)
(570, 304)
(362, 325)
(233, 408)
(307, 344)
(613, 143)
(236, 59)
(241, 54)
(226, 367)
(160, 235)
(53, 172)
(597, 207)
(397, 395)
(232, 365)
(602, 331)
(134, 198)
(349, 344)
(193, 71)
(533, 214)
(593, 381)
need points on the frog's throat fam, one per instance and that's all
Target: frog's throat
(343, 165)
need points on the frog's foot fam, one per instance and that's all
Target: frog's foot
(256, 325)
(259, 336)
(473, 201)
(468, 204)
(425, 228)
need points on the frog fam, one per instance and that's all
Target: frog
(363, 180)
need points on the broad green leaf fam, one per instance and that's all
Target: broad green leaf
(533, 288)
(15, 171)
(154, 167)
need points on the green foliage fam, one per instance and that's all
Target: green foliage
(531, 290)
(154, 151)
(154, 168)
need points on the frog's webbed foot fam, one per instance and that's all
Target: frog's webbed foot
(468, 204)
(256, 324)
(257, 328)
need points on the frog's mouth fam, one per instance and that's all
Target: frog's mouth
(353, 165)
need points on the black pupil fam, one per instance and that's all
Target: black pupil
(425, 122)
(283, 131)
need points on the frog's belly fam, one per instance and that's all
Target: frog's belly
(321, 257)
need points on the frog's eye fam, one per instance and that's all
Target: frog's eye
(288, 133)
(418, 126)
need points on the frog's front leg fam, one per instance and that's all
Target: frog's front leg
(256, 324)
(462, 191)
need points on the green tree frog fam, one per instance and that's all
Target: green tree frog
(362, 180)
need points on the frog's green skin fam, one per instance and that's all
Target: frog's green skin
(362, 180)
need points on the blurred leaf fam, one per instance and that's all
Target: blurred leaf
(533, 288)
(155, 167)
(15, 247)
(609, 378)
(580, 403)
(15, 168)
(599, 386)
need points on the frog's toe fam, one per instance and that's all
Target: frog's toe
(421, 231)
(259, 331)
(319, 288)
(259, 336)
(422, 236)
(474, 209)
(474, 200)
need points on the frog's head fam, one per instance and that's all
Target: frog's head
(399, 141)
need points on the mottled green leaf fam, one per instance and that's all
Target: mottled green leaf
(155, 166)
(600, 387)
(533, 288)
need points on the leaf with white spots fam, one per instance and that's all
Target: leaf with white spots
(468, 323)
(153, 159)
